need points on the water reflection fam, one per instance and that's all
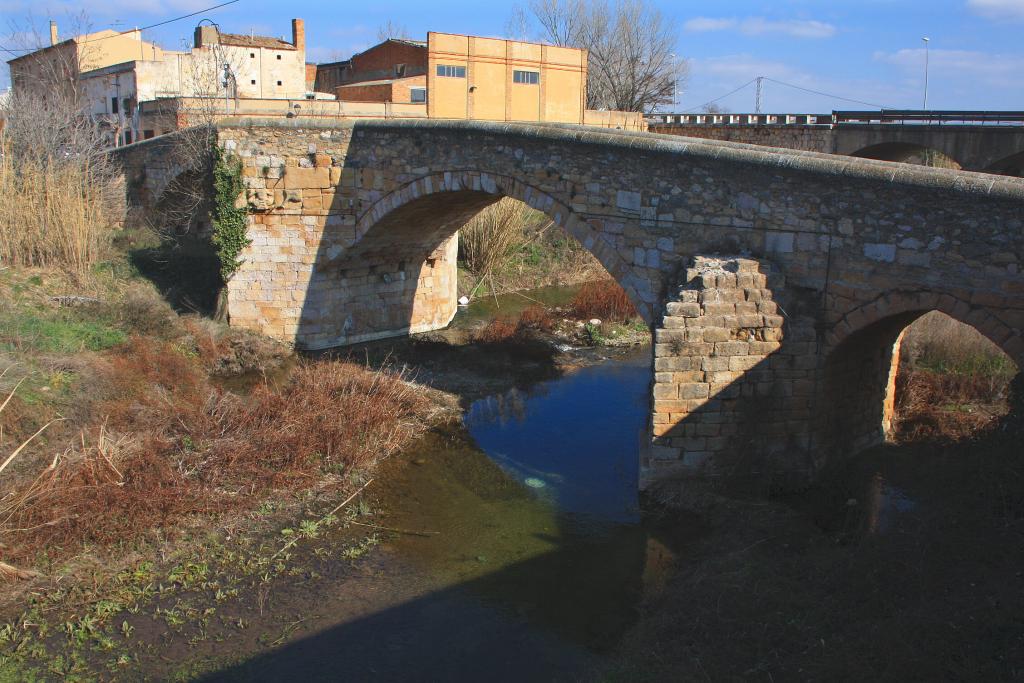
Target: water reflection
(885, 503)
(575, 440)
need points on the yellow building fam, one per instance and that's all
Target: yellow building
(468, 77)
(491, 79)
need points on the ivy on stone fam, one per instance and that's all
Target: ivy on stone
(229, 221)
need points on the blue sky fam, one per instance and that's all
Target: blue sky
(867, 50)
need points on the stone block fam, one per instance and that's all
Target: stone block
(691, 390)
(732, 348)
(307, 178)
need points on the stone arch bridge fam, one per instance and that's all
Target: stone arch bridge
(777, 283)
(986, 148)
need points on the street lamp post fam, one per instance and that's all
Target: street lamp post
(926, 41)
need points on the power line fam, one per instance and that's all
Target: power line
(144, 28)
(710, 102)
(825, 94)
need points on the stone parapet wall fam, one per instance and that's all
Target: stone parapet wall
(805, 138)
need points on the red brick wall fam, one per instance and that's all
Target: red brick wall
(379, 62)
(364, 93)
(394, 91)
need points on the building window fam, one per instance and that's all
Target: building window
(113, 105)
(279, 57)
(147, 134)
(399, 70)
(417, 95)
(450, 71)
(279, 82)
(252, 55)
(127, 103)
(127, 137)
(526, 77)
(252, 82)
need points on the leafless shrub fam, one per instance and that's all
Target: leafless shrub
(605, 300)
(493, 234)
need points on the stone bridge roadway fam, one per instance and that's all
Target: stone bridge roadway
(987, 148)
(777, 283)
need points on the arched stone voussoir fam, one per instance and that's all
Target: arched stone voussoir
(903, 303)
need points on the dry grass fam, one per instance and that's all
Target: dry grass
(498, 331)
(61, 193)
(953, 382)
(170, 445)
(604, 299)
(487, 240)
(536, 318)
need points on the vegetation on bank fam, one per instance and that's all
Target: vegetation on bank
(953, 382)
(510, 247)
(600, 314)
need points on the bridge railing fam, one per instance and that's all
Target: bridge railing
(838, 118)
(931, 117)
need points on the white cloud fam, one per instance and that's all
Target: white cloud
(755, 26)
(705, 24)
(998, 9)
(990, 69)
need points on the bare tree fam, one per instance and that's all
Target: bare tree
(391, 29)
(632, 65)
(714, 108)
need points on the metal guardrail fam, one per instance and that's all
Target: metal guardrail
(839, 118)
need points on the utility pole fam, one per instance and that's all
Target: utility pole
(926, 40)
(757, 99)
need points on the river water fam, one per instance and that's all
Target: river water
(534, 558)
(530, 559)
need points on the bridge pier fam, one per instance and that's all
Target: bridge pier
(734, 379)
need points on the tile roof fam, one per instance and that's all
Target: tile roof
(255, 41)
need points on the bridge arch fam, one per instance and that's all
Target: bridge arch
(908, 152)
(862, 355)
(1012, 165)
(426, 212)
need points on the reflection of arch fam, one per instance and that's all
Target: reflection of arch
(907, 152)
(1012, 165)
(861, 360)
(404, 224)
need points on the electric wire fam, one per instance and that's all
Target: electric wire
(825, 94)
(144, 28)
(710, 102)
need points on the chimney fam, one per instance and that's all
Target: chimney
(206, 34)
(299, 34)
(53, 33)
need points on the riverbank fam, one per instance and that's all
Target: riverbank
(139, 444)
(152, 416)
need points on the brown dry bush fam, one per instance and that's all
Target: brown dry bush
(497, 331)
(604, 299)
(536, 318)
(196, 449)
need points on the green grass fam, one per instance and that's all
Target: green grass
(28, 330)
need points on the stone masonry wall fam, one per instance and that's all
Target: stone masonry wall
(299, 219)
(726, 390)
